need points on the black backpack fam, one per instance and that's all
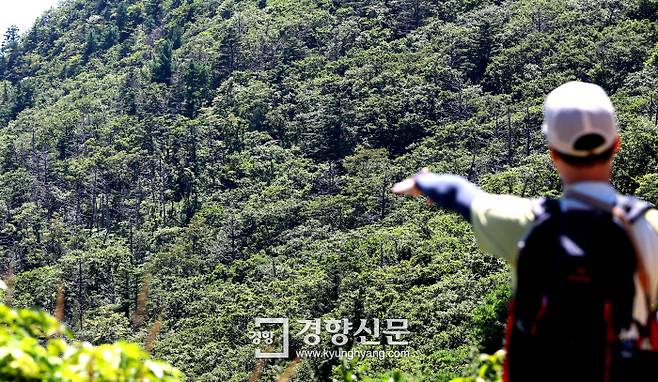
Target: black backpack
(574, 295)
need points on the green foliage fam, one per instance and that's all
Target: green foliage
(353, 371)
(198, 164)
(489, 369)
(489, 318)
(161, 67)
(34, 347)
(648, 188)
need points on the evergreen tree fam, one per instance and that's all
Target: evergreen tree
(91, 45)
(24, 96)
(10, 50)
(161, 66)
(195, 87)
(121, 20)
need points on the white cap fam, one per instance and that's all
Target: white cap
(579, 119)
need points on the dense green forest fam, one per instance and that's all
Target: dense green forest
(195, 164)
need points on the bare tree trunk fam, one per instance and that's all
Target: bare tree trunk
(92, 218)
(162, 198)
(113, 286)
(130, 239)
(655, 105)
(527, 132)
(510, 153)
(383, 196)
(80, 297)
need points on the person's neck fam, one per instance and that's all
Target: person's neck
(587, 174)
(600, 179)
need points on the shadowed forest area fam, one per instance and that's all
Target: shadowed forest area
(222, 160)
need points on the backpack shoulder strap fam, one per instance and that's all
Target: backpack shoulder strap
(626, 210)
(633, 207)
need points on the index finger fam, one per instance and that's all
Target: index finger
(407, 186)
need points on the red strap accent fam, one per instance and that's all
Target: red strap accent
(653, 330)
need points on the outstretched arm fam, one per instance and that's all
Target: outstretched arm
(499, 221)
(449, 191)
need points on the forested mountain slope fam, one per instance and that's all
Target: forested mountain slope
(227, 160)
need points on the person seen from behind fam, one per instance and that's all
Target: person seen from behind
(585, 265)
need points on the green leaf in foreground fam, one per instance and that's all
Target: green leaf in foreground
(34, 346)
